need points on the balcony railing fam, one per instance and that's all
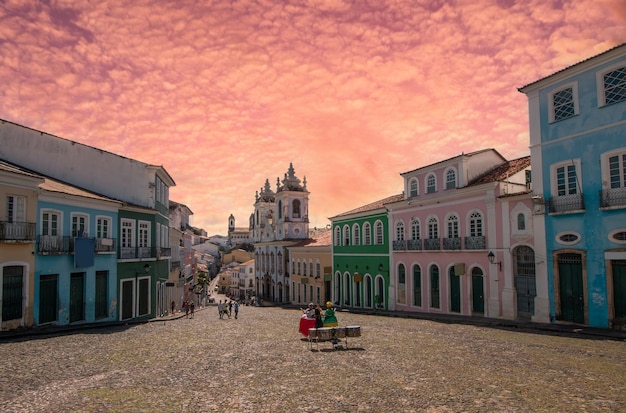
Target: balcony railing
(414, 244)
(137, 252)
(51, 244)
(475, 243)
(566, 203)
(164, 252)
(432, 244)
(105, 245)
(614, 197)
(399, 245)
(17, 231)
(452, 243)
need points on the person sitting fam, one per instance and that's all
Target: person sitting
(309, 312)
(330, 319)
(319, 322)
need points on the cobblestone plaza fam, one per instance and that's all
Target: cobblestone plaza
(260, 363)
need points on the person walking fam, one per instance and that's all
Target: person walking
(230, 308)
(220, 309)
(236, 309)
(192, 307)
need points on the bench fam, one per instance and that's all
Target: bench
(333, 335)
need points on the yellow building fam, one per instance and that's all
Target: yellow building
(18, 217)
(309, 261)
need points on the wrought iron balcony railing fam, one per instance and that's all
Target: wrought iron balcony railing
(614, 197)
(17, 231)
(52, 244)
(105, 245)
(399, 245)
(432, 244)
(566, 203)
(414, 244)
(475, 243)
(452, 243)
(137, 252)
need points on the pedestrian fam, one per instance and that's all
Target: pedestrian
(220, 309)
(193, 307)
(173, 305)
(230, 308)
(236, 309)
(330, 319)
(186, 305)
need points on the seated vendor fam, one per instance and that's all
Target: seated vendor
(330, 320)
(309, 312)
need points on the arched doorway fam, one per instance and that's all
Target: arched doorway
(525, 282)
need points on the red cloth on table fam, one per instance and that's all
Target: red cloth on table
(305, 324)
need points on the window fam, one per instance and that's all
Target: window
(16, 208)
(401, 284)
(318, 270)
(280, 209)
(612, 85)
(567, 238)
(521, 222)
(103, 227)
(337, 236)
(379, 233)
(433, 228)
(413, 188)
(453, 226)
(304, 270)
(311, 268)
(50, 223)
(566, 178)
(476, 224)
(144, 234)
(346, 235)
(415, 229)
(564, 103)
(431, 184)
(356, 234)
(79, 225)
(296, 213)
(617, 171)
(618, 236)
(400, 231)
(450, 179)
(128, 233)
(367, 230)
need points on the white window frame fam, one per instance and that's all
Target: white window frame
(337, 236)
(433, 227)
(431, 189)
(75, 217)
(601, 91)
(379, 233)
(416, 229)
(606, 172)
(127, 233)
(144, 232)
(475, 224)
(16, 208)
(345, 241)
(551, 113)
(104, 227)
(450, 184)
(367, 234)
(400, 231)
(452, 226)
(553, 177)
(356, 234)
(58, 231)
(414, 187)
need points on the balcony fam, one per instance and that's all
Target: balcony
(17, 231)
(452, 243)
(399, 245)
(432, 244)
(163, 252)
(613, 198)
(54, 245)
(414, 245)
(566, 203)
(475, 243)
(127, 253)
(105, 245)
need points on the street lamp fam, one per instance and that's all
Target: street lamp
(492, 260)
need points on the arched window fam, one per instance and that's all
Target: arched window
(417, 286)
(453, 226)
(304, 268)
(521, 222)
(476, 224)
(400, 231)
(296, 213)
(367, 230)
(280, 209)
(379, 233)
(431, 184)
(415, 228)
(337, 236)
(401, 284)
(356, 234)
(413, 188)
(450, 179)
(433, 228)
(346, 235)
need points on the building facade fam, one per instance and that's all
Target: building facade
(578, 151)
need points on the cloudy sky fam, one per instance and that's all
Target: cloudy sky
(226, 93)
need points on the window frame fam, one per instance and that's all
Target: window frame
(554, 185)
(551, 112)
(600, 86)
(431, 189)
(606, 170)
(356, 234)
(414, 191)
(451, 171)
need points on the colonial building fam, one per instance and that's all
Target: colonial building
(578, 152)
(311, 269)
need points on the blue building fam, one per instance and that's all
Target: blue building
(75, 277)
(578, 155)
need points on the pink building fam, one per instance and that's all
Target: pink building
(462, 240)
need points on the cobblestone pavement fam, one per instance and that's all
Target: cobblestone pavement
(260, 363)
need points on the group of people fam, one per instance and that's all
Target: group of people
(314, 317)
(226, 308)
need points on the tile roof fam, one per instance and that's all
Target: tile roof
(373, 206)
(320, 239)
(468, 155)
(502, 171)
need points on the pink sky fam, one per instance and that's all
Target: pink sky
(226, 93)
